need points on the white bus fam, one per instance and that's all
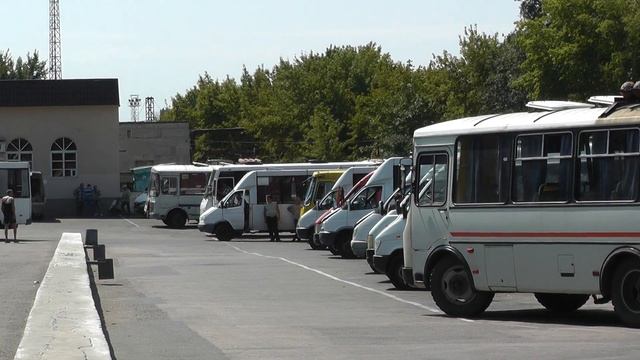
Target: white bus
(225, 177)
(538, 202)
(242, 210)
(175, 192)
(15, 175)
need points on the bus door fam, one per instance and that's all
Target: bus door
(235, 210)
(430, 223)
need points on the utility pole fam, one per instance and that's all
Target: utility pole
(55, 54)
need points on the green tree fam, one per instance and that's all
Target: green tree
(30, 69)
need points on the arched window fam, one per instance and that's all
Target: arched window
(63, 158)
(20, 150)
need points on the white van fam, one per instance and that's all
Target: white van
(242, 210)
(225, 177)
(345, 183)
(366, 223)
(336, 229)
(15, 175)
(175, 192)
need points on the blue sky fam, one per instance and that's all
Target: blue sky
(159, 48)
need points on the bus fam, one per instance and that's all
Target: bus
(175, 192)
(540, 202)
(225, 177)
(242, 210)
(16, 175)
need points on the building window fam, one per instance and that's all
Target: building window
(63, 158)
(20, 150)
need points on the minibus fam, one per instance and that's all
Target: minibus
(16, 175)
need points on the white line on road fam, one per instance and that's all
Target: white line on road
(332, 277)
(131, 222)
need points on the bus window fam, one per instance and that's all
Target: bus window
(16, 180)
(608, 165)
(542, 169)
(192, 183)
(432, 172)
(169, 185)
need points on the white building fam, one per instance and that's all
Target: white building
(68, 130)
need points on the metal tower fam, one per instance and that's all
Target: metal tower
(149, 105)
(55, 54)
(134, 104)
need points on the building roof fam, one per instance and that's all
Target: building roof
(75, 92)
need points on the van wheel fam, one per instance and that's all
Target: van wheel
(561, 303)
(453, 292)
(333, 250)
(176, 219)
(347, 252)
(373, 268)
(394, 272)
(626, 292)
(224, 232)
(313, 245)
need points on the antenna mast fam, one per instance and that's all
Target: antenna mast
(55, 57)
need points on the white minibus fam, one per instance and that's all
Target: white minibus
(225, 177)
(175, 192)
(540, 202)
(15, 175)
(242, 210)
(344, 183)
(336, 229)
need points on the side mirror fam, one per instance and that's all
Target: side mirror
(380, 208)
(405, 211)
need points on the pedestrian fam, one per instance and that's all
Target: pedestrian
(125, 198)
(294, 209)
(87, 197)
(9, 212)
(271, 216)
(78, 194)
(96, 200)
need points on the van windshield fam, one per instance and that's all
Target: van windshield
(311, 189)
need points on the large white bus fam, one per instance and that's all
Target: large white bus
(242, 210)
(15, 175)
(225, 177)
(175, 192)
(539, 202)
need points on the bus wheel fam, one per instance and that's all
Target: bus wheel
(176, 219)
(561, 303)
(224, 232)
(394, 272)
(626, 292)
(453, 292)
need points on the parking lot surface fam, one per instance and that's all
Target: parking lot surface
(179, 294)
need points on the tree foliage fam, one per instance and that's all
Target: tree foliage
(30, 69)
(355, 102)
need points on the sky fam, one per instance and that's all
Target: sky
(159, 48)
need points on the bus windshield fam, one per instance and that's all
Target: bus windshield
(16, 180)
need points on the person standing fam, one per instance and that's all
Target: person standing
(96, 200)
(271, 216)
(78, 194)
(87, 197)
(125, 198)
(294, 209)
(9, 212)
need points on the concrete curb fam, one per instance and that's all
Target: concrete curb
(64, 323)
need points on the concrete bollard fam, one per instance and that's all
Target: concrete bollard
(91, 237)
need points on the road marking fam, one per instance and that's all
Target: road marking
(130, 222)
(332, 277)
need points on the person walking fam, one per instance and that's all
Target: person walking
(125, 198)
(294, 209)
(271, 216)
(9, 212)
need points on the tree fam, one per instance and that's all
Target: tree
(31, 69)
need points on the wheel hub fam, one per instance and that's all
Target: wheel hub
(631, 290)
(456, 285)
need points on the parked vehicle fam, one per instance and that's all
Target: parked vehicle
(225, 177)
(343, 184)
(175, 192)
(242, 210)
(337, 228)
(540, 202)
(366, 223)
(15, 175)
(322, 182)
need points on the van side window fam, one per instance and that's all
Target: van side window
(432, 180)
(169, 185)
(608, 165)
(542, 167)
(482, 169)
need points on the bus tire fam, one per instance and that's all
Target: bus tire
(176, 219)
(394, 272)
(224, 232)
(625, 293)
(561, 303)
(452, 290)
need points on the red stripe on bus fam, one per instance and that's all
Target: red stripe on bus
(545, 234)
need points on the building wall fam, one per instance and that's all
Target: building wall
(151, 143)
(94, 129)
